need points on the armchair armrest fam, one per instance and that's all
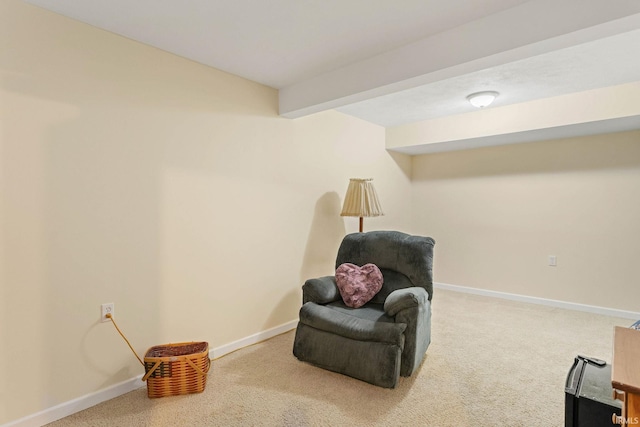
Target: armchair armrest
(412, 307)
(401, 299)
(321, 290)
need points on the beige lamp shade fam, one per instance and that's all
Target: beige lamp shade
(361, 200)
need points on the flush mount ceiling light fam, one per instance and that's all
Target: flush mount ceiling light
(482, 99)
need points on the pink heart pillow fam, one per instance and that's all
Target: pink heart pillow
(357, 285)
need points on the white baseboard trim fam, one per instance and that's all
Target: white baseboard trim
(253, 339)
(76, 405)
(81, 403)
(542, 301)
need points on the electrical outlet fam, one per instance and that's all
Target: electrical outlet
(553, 260)
(105, 309)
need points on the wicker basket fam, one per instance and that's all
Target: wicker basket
(174, 369)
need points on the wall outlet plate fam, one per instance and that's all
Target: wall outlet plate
(107, 308)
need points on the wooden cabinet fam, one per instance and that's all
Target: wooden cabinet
(625, 375)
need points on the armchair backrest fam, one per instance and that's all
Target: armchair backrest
(404, 260)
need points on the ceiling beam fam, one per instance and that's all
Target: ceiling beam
(532, 28)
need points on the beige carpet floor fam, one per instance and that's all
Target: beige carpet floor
(492, 362)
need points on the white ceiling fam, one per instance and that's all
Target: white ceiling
(276, 42)
(601, 63)
(389, 62)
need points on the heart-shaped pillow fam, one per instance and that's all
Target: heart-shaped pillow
(357, 285)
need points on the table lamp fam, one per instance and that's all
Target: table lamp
(361, 200)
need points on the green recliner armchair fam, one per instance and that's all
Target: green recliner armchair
(388, 336)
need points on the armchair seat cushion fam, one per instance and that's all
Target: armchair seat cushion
(337, 321)
(370, 311)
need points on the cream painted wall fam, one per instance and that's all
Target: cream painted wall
(132, 176)
(497, 213)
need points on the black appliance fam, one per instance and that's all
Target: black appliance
(589, 395)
